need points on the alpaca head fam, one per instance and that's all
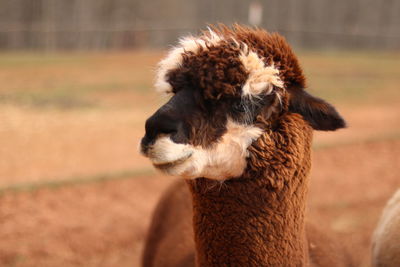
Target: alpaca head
(228, 87)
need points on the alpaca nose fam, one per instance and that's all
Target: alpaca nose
(157, 125)
(171, 119)
(160, 124)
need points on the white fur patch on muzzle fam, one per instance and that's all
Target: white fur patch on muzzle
(225, 159)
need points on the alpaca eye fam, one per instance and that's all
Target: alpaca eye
(238, 107)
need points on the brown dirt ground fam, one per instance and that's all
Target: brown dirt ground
(52, 145)
(104, 224)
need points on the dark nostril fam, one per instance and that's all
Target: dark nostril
(146, 141)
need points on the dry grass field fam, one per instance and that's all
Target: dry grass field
(75, 192)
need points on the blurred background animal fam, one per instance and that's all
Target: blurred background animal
(386, 239)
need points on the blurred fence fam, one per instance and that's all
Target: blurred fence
(118, 24)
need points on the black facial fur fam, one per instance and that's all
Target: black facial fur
(171, 119)
(188, 119)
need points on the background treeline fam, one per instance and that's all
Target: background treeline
(120, 24)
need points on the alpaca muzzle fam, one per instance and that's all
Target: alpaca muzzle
(164, 152)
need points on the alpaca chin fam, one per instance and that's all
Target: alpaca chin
(225, 159)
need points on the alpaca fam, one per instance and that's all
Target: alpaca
(238, 129)
(386, 239)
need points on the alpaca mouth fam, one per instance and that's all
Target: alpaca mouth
(168, 165)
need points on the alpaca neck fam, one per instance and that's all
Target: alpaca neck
(237, 226)
(254, 221)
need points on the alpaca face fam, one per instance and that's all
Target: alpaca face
(222, 85)
(218, 88)
(193, 137)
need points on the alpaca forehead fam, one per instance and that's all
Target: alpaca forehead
(260, 79)
(174, 57)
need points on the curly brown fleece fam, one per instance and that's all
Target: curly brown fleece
(218, 72)
(272, 47)
(258, 220)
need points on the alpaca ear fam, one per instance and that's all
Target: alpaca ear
(320, 114)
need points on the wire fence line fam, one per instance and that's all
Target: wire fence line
(120, 24)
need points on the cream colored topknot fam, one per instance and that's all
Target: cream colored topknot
(261, 78)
